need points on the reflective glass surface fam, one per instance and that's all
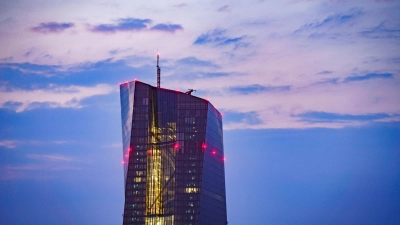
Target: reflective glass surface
(173, 157)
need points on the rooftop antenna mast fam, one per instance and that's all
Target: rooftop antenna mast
(158, 71)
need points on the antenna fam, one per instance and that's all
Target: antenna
(158, 71)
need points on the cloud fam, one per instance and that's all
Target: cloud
(369, 76)
(52, 158)
(238, 81)
(134, 24)
(117, 51)
(167, 27)
(232, 40)
(209, 37)
(334, 20)
(52, 97)
(250, 118)
(16, 143)
(224, 8)
(112, 146)
(180, 5)
(386, 29)
(51, 27)
(7, 59)
(256, 88)
(277, 106)
(34, 171)
(217, 37)
(28, 68)
(193, 61)
(127, 24)
(325, 72)
(332, 26)
(326, 117)
(329, 81)
(9, 143)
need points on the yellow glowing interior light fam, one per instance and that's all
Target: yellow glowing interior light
(191, 190)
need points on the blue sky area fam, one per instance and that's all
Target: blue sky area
(309, 92)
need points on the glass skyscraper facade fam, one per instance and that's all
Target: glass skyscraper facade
(173, 158)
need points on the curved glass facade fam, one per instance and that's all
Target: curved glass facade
(173, 157)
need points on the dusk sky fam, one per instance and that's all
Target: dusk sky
(309, 91)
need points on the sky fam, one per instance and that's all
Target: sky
(309, 91)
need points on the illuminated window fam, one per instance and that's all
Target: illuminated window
(191, 190)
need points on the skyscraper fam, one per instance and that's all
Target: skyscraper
(173, 157)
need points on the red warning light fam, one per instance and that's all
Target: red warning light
(123, 162)
(130, 149)
(204, 145)
(120, 84)
(135, 79)
(176, 146)
(223, 159)
(214, 152)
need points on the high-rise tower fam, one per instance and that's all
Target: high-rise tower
(173, 157)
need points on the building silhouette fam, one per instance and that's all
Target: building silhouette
(173, 157)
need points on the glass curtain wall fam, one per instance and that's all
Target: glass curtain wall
(173, 158)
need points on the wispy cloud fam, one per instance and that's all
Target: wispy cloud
(126, 24)
(383, 1)
(218, 37)
(325, 72)
(209, 37)
(250, 118)
(34, 171)
(333, 20)
(256, 88)
(41, 166)
(51, 27)
(193, 61)
(332, 27)
(326, 117)
(386, 29)
(369, 76)
(167, 27)
(52, 158)
(53, 96)
(280, 106)
(9, 143)
(134, 24)
(28, 68)
(112, 146)
(224, 8)
(180, 5)
(16, 143)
